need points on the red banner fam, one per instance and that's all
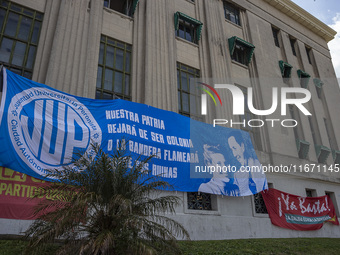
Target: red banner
(298, 213)
(16, 192)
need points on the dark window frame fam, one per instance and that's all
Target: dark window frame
(22, 37)
(187, 28)
(302, 148)
(241, 51)
(189, 91)
(260, 206)
(318, 85)
(292, 45)
(332, 196)
(310, 192)
(199, 201)
(126, 7)
(232, 13)
(309, 56)
(187, 31)
(330, 135)
(322, 153)
(240, 54)
(286, 70)
(304, 78)
(107, 65)
(276, 32)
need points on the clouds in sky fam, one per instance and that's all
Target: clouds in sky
(334, 45)
(328, 11)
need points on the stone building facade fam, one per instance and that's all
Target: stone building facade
(147, 51)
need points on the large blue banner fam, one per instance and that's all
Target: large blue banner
(41, 128)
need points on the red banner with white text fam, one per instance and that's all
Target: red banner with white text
(16, 192)
(298, 213)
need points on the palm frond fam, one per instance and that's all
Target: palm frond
(109, 208)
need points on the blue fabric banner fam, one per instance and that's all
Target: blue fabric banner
(41, 128)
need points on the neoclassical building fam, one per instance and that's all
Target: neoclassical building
(147, 51)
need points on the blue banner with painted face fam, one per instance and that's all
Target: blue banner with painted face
(41, 128)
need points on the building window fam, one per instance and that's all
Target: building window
(127, 7)
(301, 145)
(260, 206)
(309, 54)
(199, 201)
(114, 69)
(187, 27)
(276, 36)
(294, 115)
(248, 115)
(311, 125)
(304, 78)
(333, 199)
(292, 45)
(240, 50)
(318, 85)
(330, 134)
(189, 98)
(322, 153)
(19, 35)
(232, 13)
(286, 70)
(336, 156)
(303, 148)
(310, 193)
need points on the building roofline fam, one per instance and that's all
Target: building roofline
(304, 18)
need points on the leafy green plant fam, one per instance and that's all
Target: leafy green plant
(109, 208)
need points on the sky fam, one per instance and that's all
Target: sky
(328, 11)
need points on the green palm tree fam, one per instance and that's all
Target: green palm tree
(110, 208)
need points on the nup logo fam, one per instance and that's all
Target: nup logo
(238, 104)
(204, 97)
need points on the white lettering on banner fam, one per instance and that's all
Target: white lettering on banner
(153, 122)
(23, 99)
(286, 200)
(122, 114)
(164, 171)
(87, 118)
(33, 141)
(47, 127)
(180, 156)
(45, 151)
(71, 142)
(157, 137)
(280, 207)
(308, 220)
(121, 128)
(312, 207)
(305, 207)
(14, 127)
(46, 140)
(183, 142)
(145, 150)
